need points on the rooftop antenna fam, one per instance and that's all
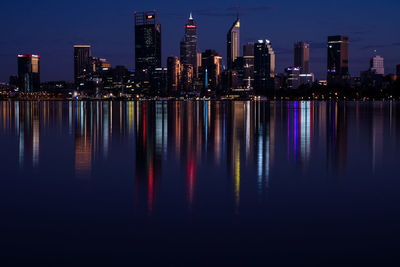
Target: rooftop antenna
(191, 16)
(237, 12)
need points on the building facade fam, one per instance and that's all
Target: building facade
(174, 69)
(264, 67)
(338, 60)
(188, 51)
(377, 65)
(292, 77)
(233, 43)
(29, 73)
(248, 63)
(211, 64)
(302, 57)
(147, 46)
(82, 55)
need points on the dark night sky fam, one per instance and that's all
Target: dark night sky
(50, 28)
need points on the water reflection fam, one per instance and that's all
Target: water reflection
(252, 144)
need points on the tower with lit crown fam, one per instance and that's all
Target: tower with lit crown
(188, 49)
(264, 66)
(233, 43)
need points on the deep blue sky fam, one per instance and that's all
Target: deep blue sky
(50, 28)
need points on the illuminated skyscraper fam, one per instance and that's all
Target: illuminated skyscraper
(187, 77)
(338, 60)
(248, 61)
(264, 66)
(302, 57)
(174, 75)
(377, 65)
(147, 45)
(29, 73)
(212, 69)
(189, 44)
(81, 62)
(233, 43)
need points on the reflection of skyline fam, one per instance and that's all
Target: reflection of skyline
(27, 122)
(336, 136)
(377, 135)
(238, 138)
(300, 122)
(265, 144)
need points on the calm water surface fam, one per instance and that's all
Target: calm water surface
(199, 183)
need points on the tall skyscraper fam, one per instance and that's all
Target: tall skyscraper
(338, 60)
(302, 57)
(174, 69)
(233, 43)
(82, 55)
(212, 69)
(147, 45)
(189, 44)
(377, 65)
(248, 61)
(264, 66)
(29, 73)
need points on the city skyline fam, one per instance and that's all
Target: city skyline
(115, 40)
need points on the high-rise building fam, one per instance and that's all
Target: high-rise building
(159, 81)
(189, 44)
(211, 64)
(187, 77)
(377, 65)
(233, 43)
(29, 73)
(174, 69)
(147, 46)
(302, 57)
(292, 77)
(338, 60)
(82, 55)
(398, 71)
(248, 61)
(264, 66)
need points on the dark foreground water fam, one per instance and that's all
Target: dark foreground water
(199, 183)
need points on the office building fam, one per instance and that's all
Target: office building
(187, 78)
(292, 77)
(338, 60)
(188, 49)
(248, 62)
(377, 65)
(302, 57)
(233, 43)
(264, 67)
(29, 73)
(211, 64)
(174, 69)
(147, 46)
(159, 81)
(82, 55)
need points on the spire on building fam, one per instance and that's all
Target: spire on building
(191, 16)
